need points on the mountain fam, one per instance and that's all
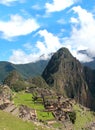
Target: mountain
(31, 69)
(45, 56)
(5, 68)
(15, 81)
(67, 75)
(26, 70)
(90, 64)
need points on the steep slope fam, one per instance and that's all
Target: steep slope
(5, 68)
(15, 81)
(90, 64)
(66, 74)
(90, 79)
(26, 70)
(32, 69)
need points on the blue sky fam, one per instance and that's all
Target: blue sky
(30, 28)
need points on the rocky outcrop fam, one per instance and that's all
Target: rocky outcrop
(5, 93)
(66, 74)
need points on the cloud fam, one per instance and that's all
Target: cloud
(58, 5)
(82, 37)
(20, 57)
(28, 46)
(51, 43)
(61, 21)
(36, 7)
(83, 33)
(74, 20)
(17, 26)
(9, 2)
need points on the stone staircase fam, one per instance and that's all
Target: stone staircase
(11, 108)
(15, 111)
(22, 111)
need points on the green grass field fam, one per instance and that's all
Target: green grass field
(82, 117)
(26, 99)
(10, 122)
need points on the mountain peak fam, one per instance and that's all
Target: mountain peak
(65, 52)
(66, 75)
(62, 53)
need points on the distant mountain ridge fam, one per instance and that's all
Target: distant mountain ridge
(26, 70)
(32, 69)
(90, 64)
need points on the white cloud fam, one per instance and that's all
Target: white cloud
(82, 38)
(17, 26)
(20, 57)
(9, 2)
(36, 7)
(74, 20)
(28, 46)
(83, 34)
(61, 21)
(82, 57)
(50, 44)
(59, 5)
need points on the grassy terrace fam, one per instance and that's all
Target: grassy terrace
(10, 122)
(83, 117)
(26, 99)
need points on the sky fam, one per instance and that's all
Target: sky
(32, 28)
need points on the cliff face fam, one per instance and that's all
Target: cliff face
(66, 74)
(90, 79)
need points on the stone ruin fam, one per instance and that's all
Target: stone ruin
(27, 113)
(60, 108)
(8, 106)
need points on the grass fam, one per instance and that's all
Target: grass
(26, 99)
(83, 117)
(58, 125)
(10, 122)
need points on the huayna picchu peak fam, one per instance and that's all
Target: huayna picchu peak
(67, 75)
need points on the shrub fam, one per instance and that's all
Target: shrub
(72, 116)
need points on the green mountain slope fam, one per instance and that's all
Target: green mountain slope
(5, 68)
(26, 70)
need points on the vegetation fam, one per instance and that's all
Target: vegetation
(72, 116)
(37, 81)
(26, 99)
(10, 122)
(26, 70)
(68, 77)
(64, 74)
(15, 81)
(83, 117)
